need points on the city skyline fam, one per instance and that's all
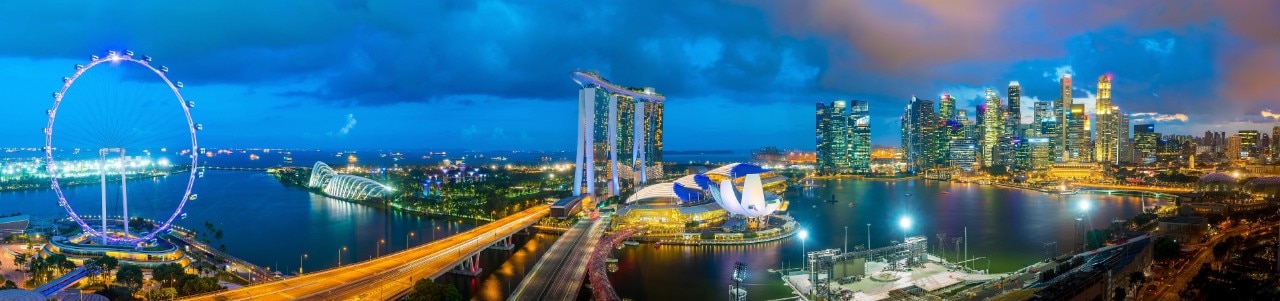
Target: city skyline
(359, 71)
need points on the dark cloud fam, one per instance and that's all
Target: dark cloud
(1168, 57)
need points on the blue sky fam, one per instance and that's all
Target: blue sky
(494, 75)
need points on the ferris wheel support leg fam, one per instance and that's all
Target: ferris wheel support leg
(103, 172)
(124, 195)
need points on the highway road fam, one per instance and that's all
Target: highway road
(559, 275)
(389, 276)
(1169, 289)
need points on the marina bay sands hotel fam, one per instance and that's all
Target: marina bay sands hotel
(619, 135)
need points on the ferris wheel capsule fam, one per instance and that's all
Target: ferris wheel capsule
(192, 197)
(48, 112)
(66, 79)
(128, 52)
(93, 57)
(79, 67)
(112, 53)
(178, 84)
(56, 94)
(199, 127)
(164, 69)
(191, 104)
(146, 58)
(47, 131)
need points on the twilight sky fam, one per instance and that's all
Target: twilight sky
(494, 75)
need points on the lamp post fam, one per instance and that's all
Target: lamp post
(1084, 209)
(905, 223)
(804, 235)
(300, 258)
(344, 248)
(406, 240)
(378, 253)
(868, 236)
(846, 239)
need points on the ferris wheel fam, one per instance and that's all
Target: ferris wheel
(117, 122)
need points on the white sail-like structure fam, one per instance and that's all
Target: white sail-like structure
(751, 202)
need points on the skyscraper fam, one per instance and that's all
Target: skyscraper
(605, 112)
(947, 107)
(1107, 142)
(860, 141)
(843, 137)
(1144, 143)
(1077, 135)
(1015, 105)
(1235, 149)
(922, 147)
(1275, 142)
(1063, 110)
(992, 128)
(833, 132)
(1248, 143)
(1124, 143)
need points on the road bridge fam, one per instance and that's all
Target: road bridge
(390, 276)
(559, 274)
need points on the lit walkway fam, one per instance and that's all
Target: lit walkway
(389, 276)
(558, 275)
(1134, 188)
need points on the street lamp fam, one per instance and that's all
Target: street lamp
(804, 235)
(868, 236)
(300, 258)
(378, 253)
(406, 240)
(344, 248)
(1085, 205)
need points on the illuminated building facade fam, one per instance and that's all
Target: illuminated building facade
(1062, 111)
(1040, 153)
(1144, 143)
(601, 119)
(1077, 134)
(833, 137)
(992, 124)
(1108, 139)
(922, 146)
(1248, 143)
(860, 139)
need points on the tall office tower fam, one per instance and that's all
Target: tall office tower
(1009, 139)
(947, 107)
(860, 141)
(833, 127)
(1208, 140)
(1014, 107)
(602, 120)
(1041, 155)
(1124, 153)
(1235, 149)
(825, 163)
(924, 148)
(1043, 121)
(962, 147)
(1063, 110)
(1077, 138)
(1144, 143)
(1249, 143)
(1107, 141)
(992, 129)
(1275, 143)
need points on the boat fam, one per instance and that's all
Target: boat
(631, 243)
